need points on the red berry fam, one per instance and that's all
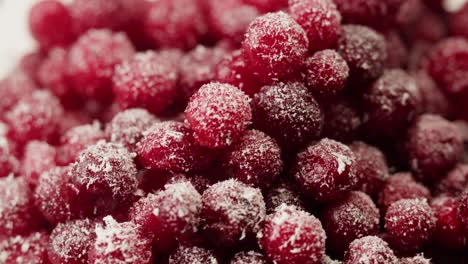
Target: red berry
(284, 193)
(250, 257)
(38, 158)
(458, 22)
(455, 182)
(463, 211)
(231, 212)
(430, 27)
(434, 101)
(418, 259)
(449, 227)
(325, 170)
(292, 236)
(288, 113)
(96, 14)
(274, 46)
(370, 250)
(268, 5)
(410, 224)
(365, 12)
(13, 88)
(92, 59)
(30, 63)
(320, 19)
(218, 114)
(9, 164)
(397, 52)
(192, 255)
(343, 121)
(31, 249)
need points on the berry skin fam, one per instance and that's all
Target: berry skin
(353, 217)
(410, 224)
(364, 12)
(13, 88)
(146, 81)
(449, 227)
(434, 101)
(50, 23)
(320, 19)
(171, 146)
(231, 212)
(31, 249)
(192, 255)
(91, 62)
(217, 124)
(455, 182)
(254, 159)
(250, 257)
(433, 145)
(70, 241)
(284, 193)
(274, 46)
(288, 113)
(325, 170)
(370, 250)
(343, 121)
(38, 157)
(292, 236)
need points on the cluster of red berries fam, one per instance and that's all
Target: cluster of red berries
(237, 132)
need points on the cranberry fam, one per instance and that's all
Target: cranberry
(370, 250)
(292, 236)
(405, 12)
(9, 164)
(231, 212)
(342, 120)
(410, 224)
(463, 210)
(320, 19)
(268, 5)
(418, 259)
(371, 168)
(30, 62)
(449, 228)
(458, 22)
(325, 170)
(31, 249)
(13, 88)
(38, 157)
(96, 14)
(345, 220)
(364, 50)
(70, 241)
(327, 73)
(191, 255)
(455, 182)
(397, 52)
(92, 59)
(434, 101)
(119, 243)
(171, 146)
(249, 257)
(274, 46)
(288, 113)
(365, 12)
(284, 193)
(51, 24)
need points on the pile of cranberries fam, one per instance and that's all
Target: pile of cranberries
(237, 132)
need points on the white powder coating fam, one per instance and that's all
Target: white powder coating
(370, 250)
(248, 257)
(418, 259)
(31, 249)
(284, 193)
(192, 255)
(89, 133)
(38, 157)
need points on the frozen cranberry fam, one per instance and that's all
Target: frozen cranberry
(38, 157)
(434, 101)
(105, 176)
(192, 255)
(249, 257)
(51, 24)
(325, 170)
(364, 50)
(320, 19)
(274, 46)
(232, 70)
(9, 164)
(254, 159)
(458, 22)
(430, 27)
(146, 81)
(92, 59)
(96, 14)
(326, 73)
(268, 5)
(13, 88)
(410, 224)
(448, 64)
(342, 120)
(371, 168)
(365, 12)
(292, 236)
(18, 215)
(175, 23)
(390, 104)
(350, 218)
(284, 193)
(70, 241)
(449, 228)
(231, 212)
(455, 182)
(418, 259)
(397, 53)
(434, 145)
(30, 63)
(31, 249)
(463, 210)
(370, 250)
(119, 243)
(288, 113)
(218, 114)
(405, 12)
(171, 146)
(401, 186)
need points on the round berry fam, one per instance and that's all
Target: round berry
(38, 157)
(191, 255)
(284, 193)
(325, 170)
(430, 27)
(14, 87)
(249, 257)
(410, 224)
(218, 114)
(9, 164)
(455, 182)
(449, 227)
(365, 12)
(434, 101)
(370, 250)
(96, 14)
(30, 62)
(31, 249)
(231, 212)
(292, 236)
(397, 52)
(458, 22)
(288, 113)
(274, 46)
(342, 120)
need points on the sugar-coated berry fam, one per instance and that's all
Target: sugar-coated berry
(171, 146)
(370, 250)
(117, 243)
(191, 255)
(434, 101)
(69, 242)
(418, 259)
(365, 12)
(292, 236)
(30, 249)
(218, 114)
(320, 19)
(325, 170)
(147, 81)
(343, 121)
(449, 231)
(30, 62)
(274, 46)
(288, 113)
(9, 163)
(254, 159)
(410, 224)
(455, 182)
(284, 193)
(350, 218)
(433, 146)
(91, 62)
(248, 257)
(38, 157)
(96, 14)
(14, 87)
(231, 212)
